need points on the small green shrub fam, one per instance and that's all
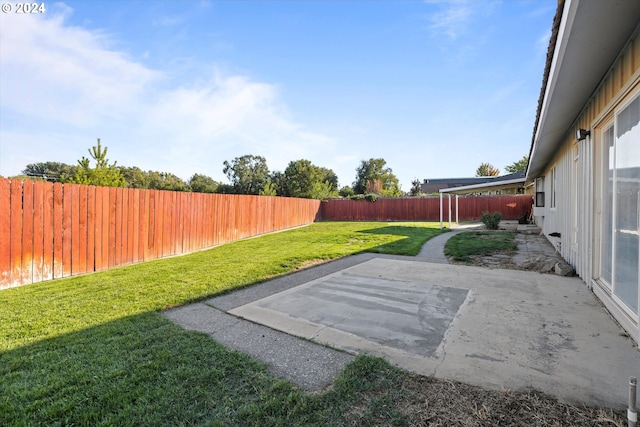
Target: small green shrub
(491, 220)
(368, 197)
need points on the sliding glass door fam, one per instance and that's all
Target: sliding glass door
(626, 206)
(620, 261)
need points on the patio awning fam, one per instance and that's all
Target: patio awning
(487, 186)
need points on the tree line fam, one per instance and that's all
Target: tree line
(248, 174)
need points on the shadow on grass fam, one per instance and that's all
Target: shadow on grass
(144, 370)
(411, 243)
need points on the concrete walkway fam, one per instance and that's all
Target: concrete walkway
(433, 249)
(500, 329)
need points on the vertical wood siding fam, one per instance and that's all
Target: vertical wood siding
(49, 231)
(621, 77)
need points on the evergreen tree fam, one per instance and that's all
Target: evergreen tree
(103, 174)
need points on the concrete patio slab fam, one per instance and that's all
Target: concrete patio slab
(500, 329)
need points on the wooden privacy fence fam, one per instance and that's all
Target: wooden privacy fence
(49, 231)
(425, 208)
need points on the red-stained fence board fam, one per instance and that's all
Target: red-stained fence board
(135, 226)
(98, 229)
(38, 230)
(26, 271)
(5, 233)
(159, 228)
(198, 225)
(214, 202)
(81, 264)
(106, 224)
(118, 227)
(74, 189)
(91, 228)
(112, 227)
(156, 237)
(181, 222)
(166, 233)
(175, 225)
(151, 221)
(124, 226)
(47, 233)
(58, 231)
(131, 214)
(186, 222)
(16, 232)
(144, 225)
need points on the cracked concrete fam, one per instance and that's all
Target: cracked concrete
(510, 330)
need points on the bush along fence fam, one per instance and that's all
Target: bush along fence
(425, 208)
(50, 231)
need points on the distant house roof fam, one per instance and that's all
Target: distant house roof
(499, 182)
(443, 184)
(436, 184)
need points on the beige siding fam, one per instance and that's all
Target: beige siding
(576, 241)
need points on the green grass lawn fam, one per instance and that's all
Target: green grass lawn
(461, 246)
(94, 350)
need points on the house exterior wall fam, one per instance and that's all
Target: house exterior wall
(578, 168)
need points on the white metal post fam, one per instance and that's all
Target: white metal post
(449, 211)
(440, 211)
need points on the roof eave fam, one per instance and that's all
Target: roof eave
(587, 37)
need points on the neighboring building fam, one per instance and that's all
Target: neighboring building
(585, 152)
(430, 186)
(483, 185)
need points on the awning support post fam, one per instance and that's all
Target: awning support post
(449, 211)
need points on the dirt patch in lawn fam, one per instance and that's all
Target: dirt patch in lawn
(534, 253)
(425, 401)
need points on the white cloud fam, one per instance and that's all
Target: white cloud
(168, 21)
(67, 81)
(452, 18)
(56, 73)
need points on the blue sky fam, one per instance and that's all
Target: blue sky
(433, 87)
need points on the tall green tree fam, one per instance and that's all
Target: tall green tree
(487, 169)
(202, 184)
(416, 189)
(103, 174)
(323, 190)
(304, 179)
(346, 191)
(248, 174)
(519, 166)
(165, 181)
(372, 170)
(135, 177)
(51, 171)
(279, 182)
(269, 189)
